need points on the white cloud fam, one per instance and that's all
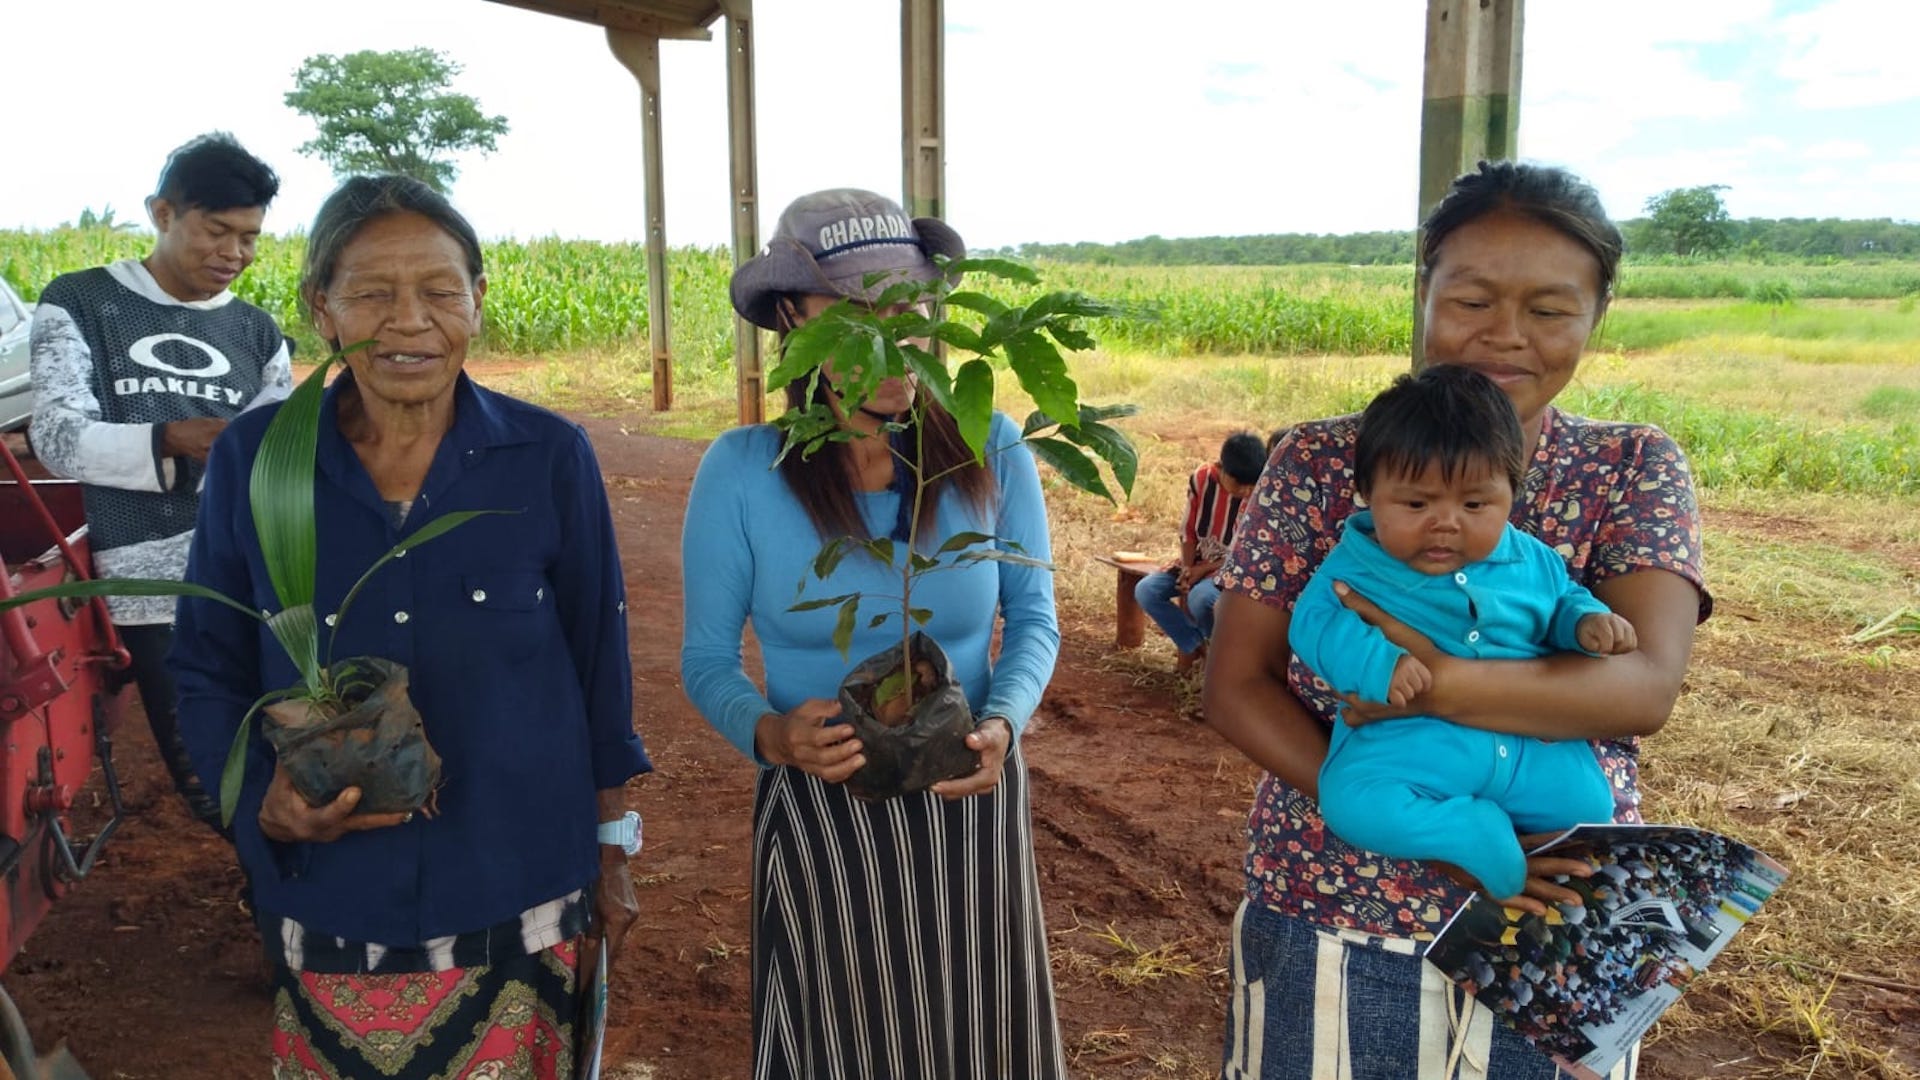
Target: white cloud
(1895, 172)
(1837, 150)
(1852, 53)
(1244, 116)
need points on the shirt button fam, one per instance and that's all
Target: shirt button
(1460, 578)
(539, 594)
(1473, 635)
(479, 596)
(401, 554)
(401, 616)
(1503, 750)
(334, 618)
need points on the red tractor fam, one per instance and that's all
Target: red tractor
(59, 707)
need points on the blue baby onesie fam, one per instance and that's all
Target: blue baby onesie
(1423, 787)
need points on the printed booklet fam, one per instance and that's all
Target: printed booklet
(1584, 983)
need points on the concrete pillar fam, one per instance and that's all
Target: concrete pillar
(641, 55)
(923, 113)
(1471, 108)
(744, 180)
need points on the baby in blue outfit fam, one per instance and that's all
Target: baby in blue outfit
(1439, 459)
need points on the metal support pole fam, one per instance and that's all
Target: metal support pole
(923, 113)
(744, 178)
(641, 55)
(1471, 109)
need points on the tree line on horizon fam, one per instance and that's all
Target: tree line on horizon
(1750, 239)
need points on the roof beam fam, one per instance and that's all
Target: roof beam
(616, 17)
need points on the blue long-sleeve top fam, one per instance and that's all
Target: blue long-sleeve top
(1518, 602)
(512, 627)
(749, 545)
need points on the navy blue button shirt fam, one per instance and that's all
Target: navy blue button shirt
(513, 629)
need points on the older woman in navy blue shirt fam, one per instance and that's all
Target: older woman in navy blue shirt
(385, 929)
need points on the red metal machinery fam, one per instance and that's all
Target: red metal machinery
(59, 707)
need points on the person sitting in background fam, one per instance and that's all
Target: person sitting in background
(1181, 597)
(137, 367)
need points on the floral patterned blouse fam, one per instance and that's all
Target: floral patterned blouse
(1611, 498)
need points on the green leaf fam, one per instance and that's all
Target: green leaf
(299, 634)
(1005, 269)
(879, 620)
(996, 555)
(439, 526)
(281, 490)
(960, 336)
(932, 375)
(1043, 375)
(827, 559)
(920, 615)
(977, 301)
(923, 563)
(1040, 421)
(1102, 413)
(1067, 304)
(973, 404)
(125, 587)
(963, 540)
(810, 345)
(826, 602)
(881, 549)
(1070, 337)
(1072, 464)
(890, 687)
(843, 627)
(233, 774)
(999, 328)
(1112, 446)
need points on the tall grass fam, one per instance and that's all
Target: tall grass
(543, 296)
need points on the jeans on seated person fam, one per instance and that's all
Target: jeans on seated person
(1189, 626)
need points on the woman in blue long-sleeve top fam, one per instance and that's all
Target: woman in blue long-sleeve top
(403, 945)
(903, 937)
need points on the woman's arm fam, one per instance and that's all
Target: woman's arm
(1566, 695)
(1247, 699)
(591, 598)
(716, 561)
(1030, 629)
(215, 657)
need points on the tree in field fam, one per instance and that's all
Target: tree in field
(381, 112)
(1691, 221)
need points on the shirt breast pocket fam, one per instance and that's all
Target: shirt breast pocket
(508, 614)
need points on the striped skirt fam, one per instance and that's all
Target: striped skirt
(898, 939)
(1313, 1003)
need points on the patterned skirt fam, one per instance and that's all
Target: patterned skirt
(498, 1004)
(898, 939)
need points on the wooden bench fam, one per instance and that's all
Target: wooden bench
(1129, 621)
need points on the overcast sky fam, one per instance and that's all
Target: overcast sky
(1066, 119)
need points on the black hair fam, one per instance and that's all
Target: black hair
(1447, 413)
(214, 172)
(360, 200)
(1547, 194)
(1242, 457)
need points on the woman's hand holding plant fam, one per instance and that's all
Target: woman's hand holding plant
(802, 738)
(286, 817)
(990, 738)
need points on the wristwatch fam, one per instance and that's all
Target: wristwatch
(623, 833)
